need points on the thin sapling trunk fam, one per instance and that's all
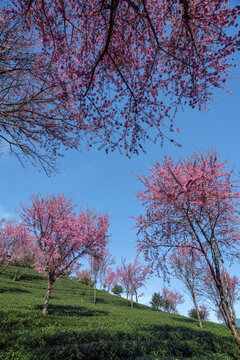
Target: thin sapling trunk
(197, 310)
(17, 275)
(131, 297)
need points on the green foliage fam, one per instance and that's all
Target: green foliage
(117, 290)
(157, 301)
(77, 330)
(25, 262)
(167, 306)
(193, 314)
(86, 281)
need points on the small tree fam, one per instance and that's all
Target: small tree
(117, 290)
(62, 238)
(95, 269)
(203, 313)
(110, 279)
(167, 306)
(84, 277)
(187, 267)
(16, 243)
(106, 260)
(157, 301)
(133, 276)
(171, 299)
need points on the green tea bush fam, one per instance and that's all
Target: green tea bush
(77, 329)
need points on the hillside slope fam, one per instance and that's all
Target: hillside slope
(75, 328)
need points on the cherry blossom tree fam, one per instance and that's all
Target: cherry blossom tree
(61, 236)
(133, 276)
(195, 199)
(98, 58)
(34, 121)
(84, 276)
(210, 292)
(16, 243)
(110, 279)
(203, 309)
(171, 298)
(98, 265)
(187, 267)
(106, 260)
(95, 269)
(124, 276)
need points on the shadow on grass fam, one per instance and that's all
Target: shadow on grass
(102, 301)
(161, 342)
(192, 321)
(31, 277)
(13, 290)
(127, 303)
(72, 311)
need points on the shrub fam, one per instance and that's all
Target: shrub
(157, 301)
(117, 290)
(193, 314)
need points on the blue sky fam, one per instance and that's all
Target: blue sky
(107, 183)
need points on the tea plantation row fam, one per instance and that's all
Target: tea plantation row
(75, 328)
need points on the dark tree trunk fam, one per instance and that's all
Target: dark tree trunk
(4, 267)
(47, 297)
(95, 292)
(229, 315)
(231, 324)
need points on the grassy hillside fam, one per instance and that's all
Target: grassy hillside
(75, 328)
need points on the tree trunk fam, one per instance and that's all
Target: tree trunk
(131, 297)
(196, 307)
(227, 285)
(230, 317)
(231, 324)
(4, 267)
(136, 295)
(95, 293)
(47, 297)
(16, 277)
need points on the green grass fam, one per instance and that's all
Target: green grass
(75, 328)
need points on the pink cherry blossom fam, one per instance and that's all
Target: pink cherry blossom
(133, 276)
(173, 297)
(113, 73)
(16, 243)
(61, 236)
(110, 279)
(193, 203)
